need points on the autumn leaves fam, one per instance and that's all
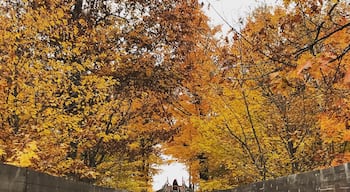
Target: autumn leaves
(278, 102)
(90, 89)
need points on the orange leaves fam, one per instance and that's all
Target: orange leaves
(304, 67)
(346, 137)
(341, 159)
(96, 92)
(90, 88)
(347, 77)
(288, 72)
(286, 2)
(317, 66)
(332, 129)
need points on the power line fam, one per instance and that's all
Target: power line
(223, 18)
(245, 39)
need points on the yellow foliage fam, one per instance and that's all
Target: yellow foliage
(346, 137)
(25, 158)
(90, 94)
(89, 88)
(332, 129)
(2, 152)
(134, 145)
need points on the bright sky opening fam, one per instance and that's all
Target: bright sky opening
(169, 172)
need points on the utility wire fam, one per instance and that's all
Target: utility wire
(246, 40)
(223, 19)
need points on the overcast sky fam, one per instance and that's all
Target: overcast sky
(231, 10)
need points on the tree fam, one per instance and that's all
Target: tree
(282, 84)
(322, 63)
(89, 86)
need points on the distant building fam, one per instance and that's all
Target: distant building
(175, 187)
